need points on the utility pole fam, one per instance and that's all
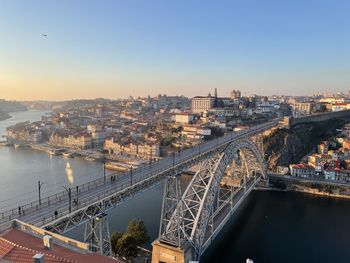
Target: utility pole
(39, 188)
(69, 198)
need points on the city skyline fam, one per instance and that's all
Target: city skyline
(117, 49)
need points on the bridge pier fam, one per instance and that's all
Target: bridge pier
(170, 254)
(97, 235)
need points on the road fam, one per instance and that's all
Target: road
(57, 205)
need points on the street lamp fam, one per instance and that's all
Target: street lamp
(39, 188)
(69, 196)
(173, 159)
(104, 170)
(131, 175)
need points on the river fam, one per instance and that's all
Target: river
(269, 227)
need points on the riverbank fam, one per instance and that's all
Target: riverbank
(5, 116)
(89, 155)
(304, 190)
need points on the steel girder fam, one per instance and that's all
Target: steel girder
(84, 214)
(190, 219)
(97, 235)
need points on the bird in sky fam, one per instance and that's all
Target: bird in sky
(44, 35)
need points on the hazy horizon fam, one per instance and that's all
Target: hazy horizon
(114, 49)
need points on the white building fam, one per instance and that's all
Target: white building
(302, 170)
(201, 104)
(184, 118)
(340, 106)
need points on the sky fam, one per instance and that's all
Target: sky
(119, 48)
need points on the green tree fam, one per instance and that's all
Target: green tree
(126, 246)
(138, 231)
(114, 241)
(167, 140)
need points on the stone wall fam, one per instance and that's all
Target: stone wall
(291, 121)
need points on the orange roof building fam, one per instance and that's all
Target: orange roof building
(22, 242)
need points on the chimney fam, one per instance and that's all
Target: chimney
(47, 242)
(38, 258)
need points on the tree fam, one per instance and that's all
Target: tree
(167, 140)
(138, 231)
(126, 244)
(114, 241)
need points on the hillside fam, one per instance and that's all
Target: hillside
(11, 106)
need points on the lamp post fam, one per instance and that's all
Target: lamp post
(39, 188)
(104, 170)
(131, 175)
(173, 159)
(69, 197)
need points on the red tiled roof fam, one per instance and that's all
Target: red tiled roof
(11, 252)
(17, 246)
(301, 166)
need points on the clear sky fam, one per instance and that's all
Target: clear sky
(118, 48)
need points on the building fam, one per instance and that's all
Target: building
(340, 106)
(318, 159)
(303, 108)
(195, 132)
(24, 132)
(225, 111)
(332, 100)
(302, 170)
(25, 243)
(75, 141)
(282, 170)
(143, 150)
(185, 118)
(235, 94)
(201, 104)
(323, 148)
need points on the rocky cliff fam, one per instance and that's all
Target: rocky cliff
(286, 146)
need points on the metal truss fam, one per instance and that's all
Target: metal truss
(194, 219)
(171, 198)
(97, 235)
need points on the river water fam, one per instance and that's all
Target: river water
(269, 226)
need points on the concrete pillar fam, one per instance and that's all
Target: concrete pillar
(170, 254)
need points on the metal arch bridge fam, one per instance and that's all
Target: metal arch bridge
(98, 196)
(190, 221)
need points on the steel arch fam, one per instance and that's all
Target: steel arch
(196, 206)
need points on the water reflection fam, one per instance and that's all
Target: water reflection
(69, 173)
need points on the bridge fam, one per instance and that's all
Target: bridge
(190, 221)
(230, 166)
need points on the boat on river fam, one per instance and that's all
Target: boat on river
(69, 154)
(117, 166)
